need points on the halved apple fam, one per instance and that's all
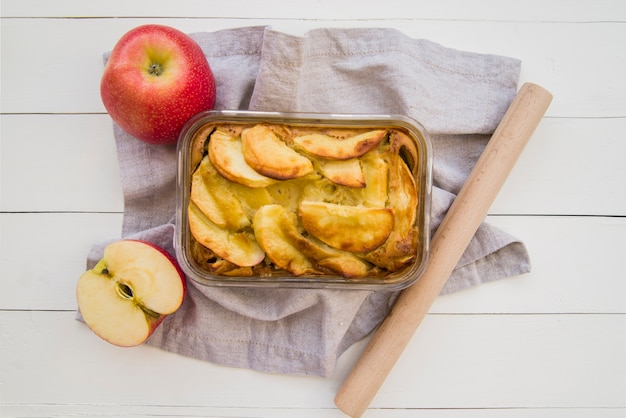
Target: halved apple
(344, 172)
(327, 146)
(225, 152)
(129, 292)
(238, 247)
(349, 228)
(266, 153)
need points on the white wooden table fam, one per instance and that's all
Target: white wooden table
(548, 344)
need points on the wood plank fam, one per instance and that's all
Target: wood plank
(552, 61)
(42, 256)
(569, 167)
(511, 360)
(59, 163)
(143, 411)
(594, 283)
(84, 147)
(578, 266)
(531, 10)
(454, 361)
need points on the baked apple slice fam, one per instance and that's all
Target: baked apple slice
(269, 228)
(129, 292)
(278, 234)
(344, 172)
(238, 247)
(215, 198)
(376, 174)
(399, 250)
(327, 146)
(267, 154)
(225, 152)
(349, 228)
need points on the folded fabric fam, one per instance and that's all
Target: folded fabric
(458, 96)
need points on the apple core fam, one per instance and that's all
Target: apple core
(124, 290)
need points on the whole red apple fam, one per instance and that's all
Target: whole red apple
(155, 79)
(130, 291)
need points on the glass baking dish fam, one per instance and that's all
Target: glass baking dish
(404, 148)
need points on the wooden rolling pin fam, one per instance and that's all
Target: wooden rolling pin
(452, 237)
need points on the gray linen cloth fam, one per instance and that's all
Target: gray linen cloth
(458, 96)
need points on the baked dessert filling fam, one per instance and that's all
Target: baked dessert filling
(270, 199)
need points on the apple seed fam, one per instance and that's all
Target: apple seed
(124, 290)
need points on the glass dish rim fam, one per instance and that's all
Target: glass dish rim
(404, 278)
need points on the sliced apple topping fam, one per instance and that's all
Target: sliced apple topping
(399, 250)
(327, 146)
(349, 228)
(266, 153)
(402, 192)
(214, 196)
(238, 247)
(326, 257)
(344, 172)
(198, 145)
(376, 174)
(269, 224)
(277, 232)
(225, 152)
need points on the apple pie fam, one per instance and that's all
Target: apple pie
(275, 199)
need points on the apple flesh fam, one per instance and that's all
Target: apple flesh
(154, 81)
(129, 292)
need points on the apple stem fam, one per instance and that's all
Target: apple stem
(155, 69)
(101, 268)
